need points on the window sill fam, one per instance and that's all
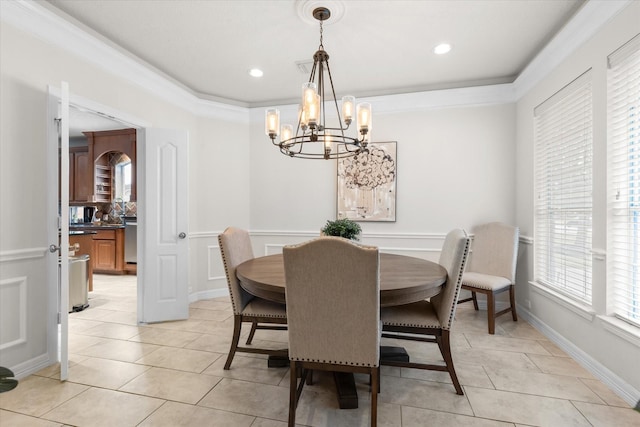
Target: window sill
(582, 310)
(622, 329)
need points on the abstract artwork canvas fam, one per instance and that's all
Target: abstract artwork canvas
(367, 184)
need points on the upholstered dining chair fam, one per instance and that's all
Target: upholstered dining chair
(431, 320)
(492, 268)
(235, 247)
(333, 310)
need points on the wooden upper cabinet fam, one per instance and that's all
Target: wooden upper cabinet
(80, 172)
(81, 176)
(102, 142)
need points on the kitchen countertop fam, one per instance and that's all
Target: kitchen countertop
(81, 232)
(94, 227)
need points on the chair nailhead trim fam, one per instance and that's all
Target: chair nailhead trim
(334, 362)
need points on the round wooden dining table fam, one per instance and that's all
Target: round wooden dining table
(403, 279)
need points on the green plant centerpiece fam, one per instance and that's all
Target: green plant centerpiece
(342, 228)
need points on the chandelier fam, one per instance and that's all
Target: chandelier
(313, 138)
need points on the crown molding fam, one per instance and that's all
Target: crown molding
(421, 101)
(584, 25)
(31, 17)
(34, 18)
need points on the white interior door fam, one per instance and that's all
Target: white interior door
(58, 130)
(163, 225)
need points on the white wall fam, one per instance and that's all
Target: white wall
(606, 346)
(219, 197)
(455, 169)
(219, 183)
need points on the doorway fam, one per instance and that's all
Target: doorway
(86, 116)
(162, 247)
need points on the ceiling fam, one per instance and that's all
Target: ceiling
(376, 47)
(82, 121)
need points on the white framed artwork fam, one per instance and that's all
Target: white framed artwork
(367, 184)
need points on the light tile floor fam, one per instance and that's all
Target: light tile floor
(171, 374)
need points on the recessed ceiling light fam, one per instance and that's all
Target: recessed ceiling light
(255, 72)
(442, 48)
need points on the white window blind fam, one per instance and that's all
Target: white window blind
(623, 182)
(563, 180)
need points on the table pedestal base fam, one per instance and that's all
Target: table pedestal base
(278, 362)
(345, 382)
(395, 354)
(346, 390)
(346, 385)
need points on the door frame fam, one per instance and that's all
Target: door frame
(93, 107)
(57, 221)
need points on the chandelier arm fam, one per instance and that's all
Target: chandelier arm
(323, 112)
(335, 100)
(313, 70)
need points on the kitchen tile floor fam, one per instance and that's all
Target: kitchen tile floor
(171, 374)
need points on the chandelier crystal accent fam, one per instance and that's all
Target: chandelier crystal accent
(313, 138)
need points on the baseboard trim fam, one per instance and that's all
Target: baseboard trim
(209, 294)
(31, 366)
(627, 392)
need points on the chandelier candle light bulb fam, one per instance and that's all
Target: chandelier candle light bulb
(272, 122)
(286, 132)
(364, 117)
(347, 108)
(309, 92)
(315, 137)
(314, 111)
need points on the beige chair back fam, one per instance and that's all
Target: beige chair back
(453, 258)
(235, 247)
(333, 302)
(495, 250)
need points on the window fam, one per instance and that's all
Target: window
(123, 181)
(623, 192)
(563, 176)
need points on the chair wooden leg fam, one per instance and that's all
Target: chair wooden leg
(252, 332)
(371, 381)
(474, 297)
(491, 313)
(293, 387)
(444, 342)
(237, 326)
(512, 298)
(375, 385)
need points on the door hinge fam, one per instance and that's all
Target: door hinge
(59, 318)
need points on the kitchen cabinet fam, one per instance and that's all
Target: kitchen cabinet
(80, 171)
(103, 142)
(103, 181)
(80, 175)
(85, 247)
(108, 251)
